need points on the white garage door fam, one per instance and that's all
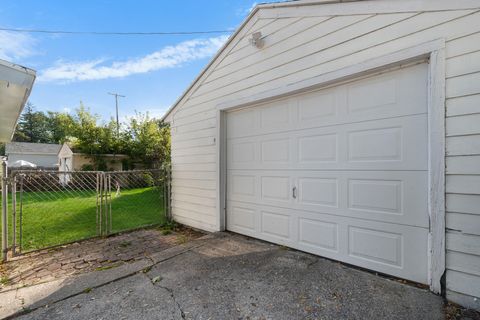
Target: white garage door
(340, 172)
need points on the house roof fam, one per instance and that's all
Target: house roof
(32, 148)
(105, 155)
(15, 86)
(237, 31)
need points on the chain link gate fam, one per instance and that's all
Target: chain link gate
(51, 208)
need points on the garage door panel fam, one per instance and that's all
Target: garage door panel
(275, 224)
(275, 188)
(243, 218)
(388, 144)
(275, 151)
(317, 234)
(340, 172)
(274, 117)
(395, 94)
(317, 106)
(377, 246)
(318, 191)
(388, 248)
(388, 196)
(318, 148)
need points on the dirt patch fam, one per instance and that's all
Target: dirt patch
(455, 312)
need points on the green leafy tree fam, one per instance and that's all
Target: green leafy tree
(148, 141)
(62, 127)
(87, 132)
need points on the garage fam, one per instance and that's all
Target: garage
(340, 172)
(348, 130)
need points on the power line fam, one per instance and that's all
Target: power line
(100, 33)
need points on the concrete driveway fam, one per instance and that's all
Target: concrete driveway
(227, 276)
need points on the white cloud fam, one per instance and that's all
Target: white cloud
(14, 46)
(252, 7)
(244, 11)
(167, 57)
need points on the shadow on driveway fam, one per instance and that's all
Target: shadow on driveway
(232, 277)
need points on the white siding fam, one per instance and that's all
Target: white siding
(463, 169)
(298, 48)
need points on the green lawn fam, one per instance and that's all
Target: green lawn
(52, 218)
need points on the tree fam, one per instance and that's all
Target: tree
(87, 132)
(148, 141)
(62, 127)
(144, 139)
(33, 126)
(93, 139)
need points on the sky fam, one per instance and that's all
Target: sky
(151, 71)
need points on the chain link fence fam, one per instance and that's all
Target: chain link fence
(50, 208)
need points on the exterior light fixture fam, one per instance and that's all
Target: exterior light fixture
(257, 40)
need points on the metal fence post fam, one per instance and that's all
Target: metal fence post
(4, 210)
(169, 193)
(14, 216)
(109, 209)
(21, 215)
(99, 208)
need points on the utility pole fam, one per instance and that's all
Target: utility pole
(116, 108)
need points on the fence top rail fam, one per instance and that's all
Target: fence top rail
(83, 172)
(135, 171)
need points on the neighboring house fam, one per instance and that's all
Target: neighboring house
(349, 130)
(53, 156)
(44, 155)
(114, 161)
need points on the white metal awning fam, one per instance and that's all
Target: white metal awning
(15, 86)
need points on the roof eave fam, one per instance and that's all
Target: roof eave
(28, 84)
(273, 5)
(219, 52)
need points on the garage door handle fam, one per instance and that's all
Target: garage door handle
(294, 192)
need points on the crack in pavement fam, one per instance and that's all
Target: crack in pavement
(170, 291)
(153, 263)
(172, 294)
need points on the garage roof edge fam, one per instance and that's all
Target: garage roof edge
(237, 31)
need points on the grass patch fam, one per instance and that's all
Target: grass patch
(57, 217)
(108, 267)
(4, 281)
(125, 244)
(182, 239)
(168, 227)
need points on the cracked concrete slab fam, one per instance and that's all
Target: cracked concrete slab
(237, 277)
(133, 296)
